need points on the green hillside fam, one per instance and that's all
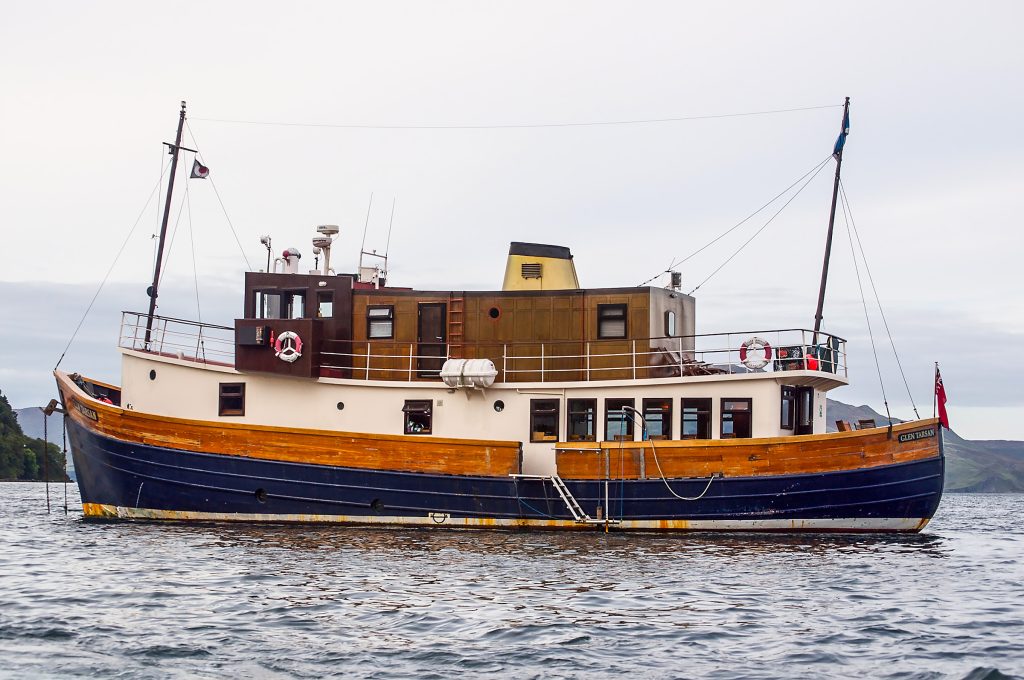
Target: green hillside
(21, 457)
(971, 466)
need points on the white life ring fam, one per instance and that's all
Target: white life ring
(288, 346)
(755, 353)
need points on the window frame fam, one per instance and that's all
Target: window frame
(666, 422)
(630, 434)
(788, 395)
(749, 412)
(260, 303)
(671, 328)
(701, 403)
(550, 406)
(222, 395)
(389, 318)
(612, 312)
(418, 406)
(322, 297)
(591, 405)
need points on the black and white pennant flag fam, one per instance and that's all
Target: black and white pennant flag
(199, 171)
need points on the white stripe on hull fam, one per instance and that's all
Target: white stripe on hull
(852, 524)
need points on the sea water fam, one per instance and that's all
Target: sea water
(157, 600)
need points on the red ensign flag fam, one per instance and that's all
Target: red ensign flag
(940, 398)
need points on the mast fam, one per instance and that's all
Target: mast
(838, 153)
(174, 148)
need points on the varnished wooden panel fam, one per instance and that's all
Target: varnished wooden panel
(318, 447)
(747, 457)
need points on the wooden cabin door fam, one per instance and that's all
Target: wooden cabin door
(804, 410)
(431, 338)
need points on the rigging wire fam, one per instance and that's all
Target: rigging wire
(867, 317)
(878, 301)
(507, 126)
(106, 276)
(213, 184)
(765, 225)
(174, 233)
(192, 242)
(676, 263)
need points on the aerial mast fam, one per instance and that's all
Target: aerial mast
(173, 149)
(838, 154)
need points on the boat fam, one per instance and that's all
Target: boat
(338, 398)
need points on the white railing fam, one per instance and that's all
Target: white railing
(191, 340)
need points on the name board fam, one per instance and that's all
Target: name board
(86, 411)
(917, 434)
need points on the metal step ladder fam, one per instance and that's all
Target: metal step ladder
(578, 514)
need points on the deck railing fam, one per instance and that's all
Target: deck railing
(192, 340)
(555, 361)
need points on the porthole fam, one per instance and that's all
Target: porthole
(494, 312)
(261, 495)
(499, 406)
(341, 406)
(152, 375)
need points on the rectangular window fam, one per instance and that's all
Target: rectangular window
(232, 399)
(787, 421)
(268, 305)
(618, 420)
(380, 322)
(670, 324)
(543, 420)
(325, 305)
(658, 418)
(582, 426)
(418, 416)
(736, 419)
(295, 304)
(611, 321)
(696, 419)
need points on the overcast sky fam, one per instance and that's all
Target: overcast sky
(932, 166)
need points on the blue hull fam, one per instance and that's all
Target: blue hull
(129, 476)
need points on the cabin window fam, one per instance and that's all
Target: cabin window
(611, 321)
(325, 305)
(670, 324)
(787, 419)
(696, 419)
(380, 322)
(618, 419)
(658, 418)
(294, 304)
(582, 420)
(268, 305)
(543, 420)
(232, 399)
(736, 419)
(806, 407)
(418, 416)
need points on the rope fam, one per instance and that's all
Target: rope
(107, 275)
(514, 126)
(878, 301)
(192, 242)
(770, 220)
(657, 463)
(213, 184)
(64, 427)
(676, 263)
(867, 317)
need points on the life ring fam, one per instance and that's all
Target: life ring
(288, 346)
(755, 353)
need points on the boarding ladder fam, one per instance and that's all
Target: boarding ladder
(575, 509)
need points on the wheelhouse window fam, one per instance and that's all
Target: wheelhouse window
(582, 425)
(325, 305)
(787, 419)
(736, 419)
(268, 305)
(418, 416)
(543, 420)
(696, 419)
(380, 322)
(294, 302)
(618, 420)
(658, 418)
(232, 399)
(611, 321)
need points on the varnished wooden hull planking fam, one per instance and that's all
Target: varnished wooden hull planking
(149, 477)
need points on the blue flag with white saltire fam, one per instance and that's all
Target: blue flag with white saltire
(842, 135)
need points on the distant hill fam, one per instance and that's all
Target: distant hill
(31, 422)
(983, 466)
